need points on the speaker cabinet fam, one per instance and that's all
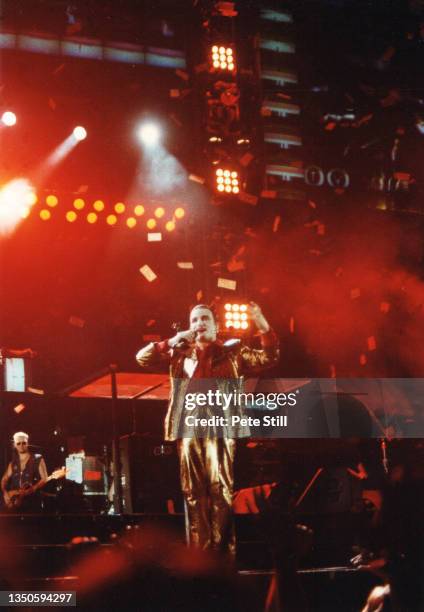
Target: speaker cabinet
(150, 475)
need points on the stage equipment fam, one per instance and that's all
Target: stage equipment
(149, 134)
(149, 475)
(227, 181)
(236, 317)
(8, 118)
(79, 133)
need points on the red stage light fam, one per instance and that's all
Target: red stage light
(45, 214)
(79, 203)
(99, 205)
(111, 219)
(52, 200)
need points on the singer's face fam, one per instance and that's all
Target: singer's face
(203, 324)
(21, 445)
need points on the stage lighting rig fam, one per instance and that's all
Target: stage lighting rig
(80, 133)
(8, 118)
(236, 317)
(223, 58)
(149, 134)
(227, 181)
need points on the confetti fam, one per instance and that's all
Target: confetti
(35, 391)
(291, 325)
(200, 68)
(385, 307)
(175, 120)
(58, 69)
(276, 223)
(76, 321)
(19, 408)
(330, 126)
(82, 189)
(148, 273)
(362, 359)
(183, 75)
(196, 179)
(154, 237)
(225, 283)
(248, 198)
(150, 322)
(174, 93)
(332, 371)
(270, 195)
(355, 293)
(246, 159)
(199, 295)
(371, 343)
(185, 265)
(312, 204)
(321, 229)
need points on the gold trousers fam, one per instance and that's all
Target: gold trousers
(206, 471)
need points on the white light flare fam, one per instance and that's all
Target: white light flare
(16, 199)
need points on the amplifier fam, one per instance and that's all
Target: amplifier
(150, 475)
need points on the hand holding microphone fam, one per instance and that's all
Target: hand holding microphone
(182, 339)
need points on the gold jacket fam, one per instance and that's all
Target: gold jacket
(227, 365)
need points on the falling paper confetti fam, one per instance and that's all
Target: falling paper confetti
(150, 322)
(148, 273)
(363, 359)
(154, 237)
(199, 295)
(185, 265)
(371, 343)
(76, 321)
(291, 325)
(385, 307)
(225, 283)
(332, 371)
(276, 223)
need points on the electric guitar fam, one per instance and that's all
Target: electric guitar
(17, 496)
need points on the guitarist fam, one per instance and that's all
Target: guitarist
(24, 471)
